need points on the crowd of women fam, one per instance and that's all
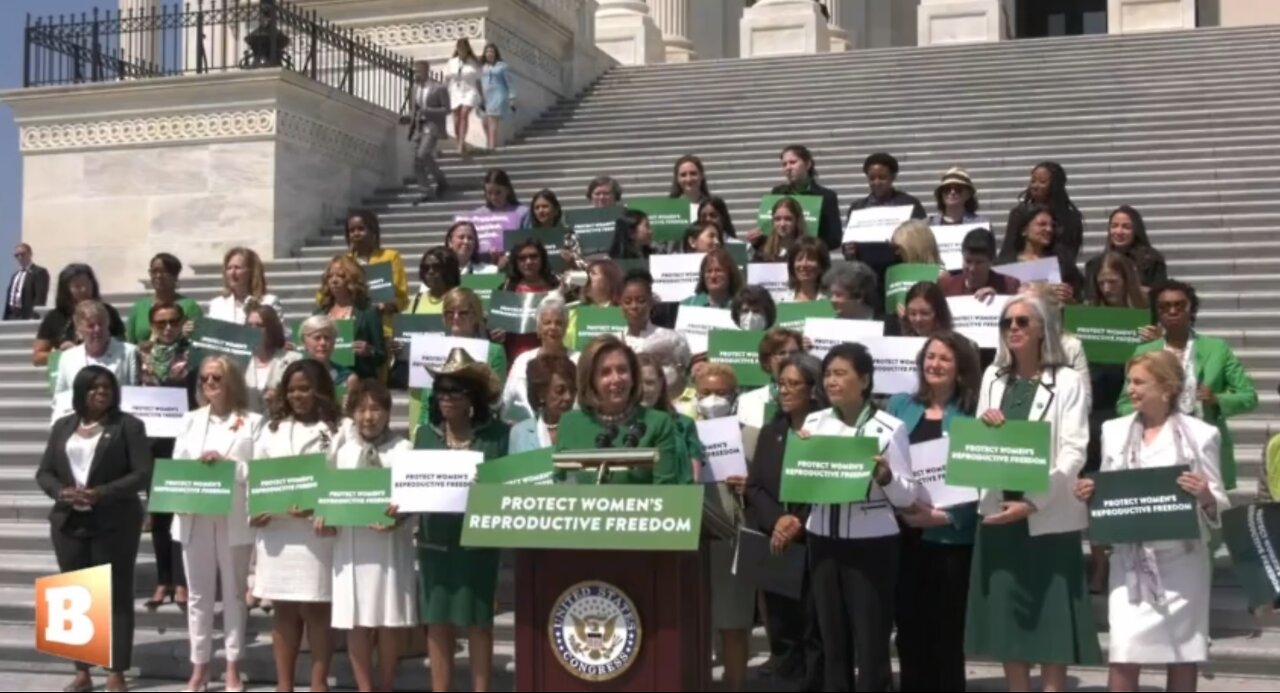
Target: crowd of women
(951, 583)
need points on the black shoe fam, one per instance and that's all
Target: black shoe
(441, 188)
(420, 200)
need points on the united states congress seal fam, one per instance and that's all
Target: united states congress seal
(595, 631)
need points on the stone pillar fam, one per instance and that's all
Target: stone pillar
(843, 18)
(784, 27)
(964, 21)
(139, 41)
(626, 31)
(1136, 16)
(675, 20)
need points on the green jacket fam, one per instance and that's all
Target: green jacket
(1219, 369)
(441, 529)
(580, 430)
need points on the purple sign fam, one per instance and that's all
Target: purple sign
(490, 226)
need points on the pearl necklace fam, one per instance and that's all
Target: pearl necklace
(456, 444)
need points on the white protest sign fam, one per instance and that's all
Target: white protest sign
(431, 350)
(1042, 270)
(978, 320)
(722, 442)
(696, 322)
(895, 359)
(160, 408)
(950, 237)
(929, 465)
(675, 277)
(875, 224)
(772, 277)
(825, 333)
(432, 481)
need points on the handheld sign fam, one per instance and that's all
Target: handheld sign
(825, 333)
(1043, 270)
(193, 487)
(1109, 335)
(895, 362)
(875, 224)
(429, 351)
(1251, 534)
(490, 226)
(536, 468)
(218, 337)
(160, 408)
(515, 313)
(278, 484)
(696, 322)
(403, 327)
(811, 205)
(484, 285)
(949, 238)
(739, 349)
(793, 316)
(828, 469)
(1142, 505)
(722, 443)
(382, 288)
(899, 279)
(675, 277)
(594, 321)
(1011, 457)
(772, 277)
(594, 228)
(354, 497)
(929, 463)
(432, 481)
(978, 320)
(668, 216)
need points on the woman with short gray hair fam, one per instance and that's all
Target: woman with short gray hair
(98, 348)
(1023, 612)
(852, 288)
(553, 322)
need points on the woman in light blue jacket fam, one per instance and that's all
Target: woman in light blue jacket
(499, 97)
(552, 386)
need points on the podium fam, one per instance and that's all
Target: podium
(611, 610)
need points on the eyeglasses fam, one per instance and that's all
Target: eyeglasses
(451, 394)
(175, 322)
(790, 385)
(1022, 321)
(431, 268)
(1171, 306)
(528, 258)
(953, 190)
(211, 378)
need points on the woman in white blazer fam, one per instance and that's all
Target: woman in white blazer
(244, 285)
(1028, 601)
(854, 548)
(1159, 604)
(217, 549)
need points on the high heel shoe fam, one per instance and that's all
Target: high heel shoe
(159, 598)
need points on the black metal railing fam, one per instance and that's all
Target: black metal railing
(210, 36)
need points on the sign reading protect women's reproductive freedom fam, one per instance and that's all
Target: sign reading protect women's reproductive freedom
(722, 447)
(432, 481)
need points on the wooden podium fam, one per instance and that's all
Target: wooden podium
(670, 650)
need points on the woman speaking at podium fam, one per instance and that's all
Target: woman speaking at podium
(612, 416)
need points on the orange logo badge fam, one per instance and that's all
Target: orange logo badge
(73, 615)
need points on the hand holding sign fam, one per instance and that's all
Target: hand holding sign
(1011, 513)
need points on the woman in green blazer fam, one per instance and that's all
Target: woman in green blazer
(344, 295)
(612, 416)
(1217, 386)
(459, 584)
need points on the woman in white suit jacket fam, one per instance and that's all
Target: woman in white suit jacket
(217, 549)
(1159, 603)
(1028, 601)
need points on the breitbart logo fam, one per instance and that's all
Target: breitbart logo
(73, 615)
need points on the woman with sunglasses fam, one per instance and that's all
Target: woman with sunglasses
(957, 200)
(439, 274)
(166, 362)
(164, 271)
(1216, 385)
(1023, 612)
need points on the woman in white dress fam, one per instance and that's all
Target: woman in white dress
(268, 364)
(244, 285)
(374, 582)
(217, 549)
(464, 74)
(294, 562)
(1159, 604)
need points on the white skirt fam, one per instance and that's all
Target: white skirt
(464, 94)
(1176, 633)
(293, 564)
(374, 579)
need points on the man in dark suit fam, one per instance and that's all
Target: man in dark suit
(431, 106)
(28, 288)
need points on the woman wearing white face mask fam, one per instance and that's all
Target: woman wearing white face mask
(755, 408)
(753, 308)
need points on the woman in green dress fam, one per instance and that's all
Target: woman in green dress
(613, 416)
(163, 271)
(1023, 612)
(458, 584)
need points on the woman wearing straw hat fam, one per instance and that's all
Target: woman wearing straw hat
(458, 585)
(957, 200)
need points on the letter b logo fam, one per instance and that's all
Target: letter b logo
(73, 615)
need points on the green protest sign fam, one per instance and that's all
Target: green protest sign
(568, 516)
(1109, 335)
(828, 469)
(55, 357)
(668, 216)
(1010, 457)
(484, 285)
(405, 326)
(551, 238)
(527, 468)
(382, 289)
(899, 279)
(594, 227)
(741, 350)
(218, 337)
(515, 313)
(192, 487)
(1250, 534)
(593, 321)
(792, 315)
(1142, 505)
(354, 497)
(811, 205)
(278, 484)
(740, 252)
(344, 348)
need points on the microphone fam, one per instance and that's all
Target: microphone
(637, 431)
(605, 439)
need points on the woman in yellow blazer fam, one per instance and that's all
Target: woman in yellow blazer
(364, 243)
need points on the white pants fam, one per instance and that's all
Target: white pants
(210, 557)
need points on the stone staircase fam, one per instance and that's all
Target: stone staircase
(1184, 126)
